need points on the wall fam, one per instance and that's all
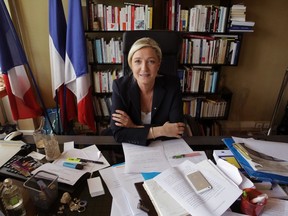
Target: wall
(263, 61)
(255, 82)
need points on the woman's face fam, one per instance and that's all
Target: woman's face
(145, 65)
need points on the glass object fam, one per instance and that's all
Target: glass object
(12, 199)
(43, 188)
(52, 149)
(39, 136)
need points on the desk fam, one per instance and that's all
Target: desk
(101, 205)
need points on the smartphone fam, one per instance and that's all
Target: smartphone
(198, 181)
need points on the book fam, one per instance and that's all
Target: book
(212, 202)
(163, 202)
(242, 23)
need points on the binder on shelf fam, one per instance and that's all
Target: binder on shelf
(262, 176)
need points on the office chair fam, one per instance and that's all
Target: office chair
(169, 42)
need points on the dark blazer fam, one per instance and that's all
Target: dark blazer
(166, 106)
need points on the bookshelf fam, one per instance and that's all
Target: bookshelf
(217, 47)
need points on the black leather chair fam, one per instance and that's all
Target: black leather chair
(169, 42)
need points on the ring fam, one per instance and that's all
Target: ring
(81, 209)
(82, 203)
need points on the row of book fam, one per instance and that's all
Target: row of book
(200, 18)
(196, 49)
(196, 107)
(132, 16)
(103, 80)
(203, 128)
(102, 106)
(214, 49)
(102, 51)
(202, 107)
(198, 79)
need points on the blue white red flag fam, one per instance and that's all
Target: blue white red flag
(57, 47)
(77, 78)
(12, 65)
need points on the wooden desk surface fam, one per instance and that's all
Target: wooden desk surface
(101, 205)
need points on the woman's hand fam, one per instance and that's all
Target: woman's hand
(173, 129)
(122, 119)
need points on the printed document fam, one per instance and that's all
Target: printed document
(158, 156)
(122, 189)
(69, 175)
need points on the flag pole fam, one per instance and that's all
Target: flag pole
(30, 71)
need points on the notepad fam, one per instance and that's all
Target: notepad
(95, 186)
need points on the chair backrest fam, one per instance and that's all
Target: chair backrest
(169, 42)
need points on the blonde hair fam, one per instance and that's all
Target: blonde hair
(142, 43)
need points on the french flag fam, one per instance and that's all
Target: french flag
(13, 63)
(57, 46)
(77, 78)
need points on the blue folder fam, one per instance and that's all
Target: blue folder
(257, 175)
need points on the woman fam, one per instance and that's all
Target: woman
(146, 106)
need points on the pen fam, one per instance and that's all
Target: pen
(77, 160)
(186, 155)
(90, 161)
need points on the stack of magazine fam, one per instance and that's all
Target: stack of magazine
(262, 160)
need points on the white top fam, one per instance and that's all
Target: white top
(146, 117)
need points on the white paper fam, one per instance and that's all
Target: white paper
(68, 145)
(91, 153)
(233, 173)
(178, 147)
(158, 156)
(230, 213)
(66, 175)
(36, 155)
(213, 202)
(8, 149)
(276, 192)
(275, 207)
(274, 149)
(144, 158)
(127, 183)
(119, 191)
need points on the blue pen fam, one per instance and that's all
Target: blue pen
(73, 165)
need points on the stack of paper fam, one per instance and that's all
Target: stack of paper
(141, 162)
(262, 160)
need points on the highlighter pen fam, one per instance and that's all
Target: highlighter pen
(186, 155)
(73, 165)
